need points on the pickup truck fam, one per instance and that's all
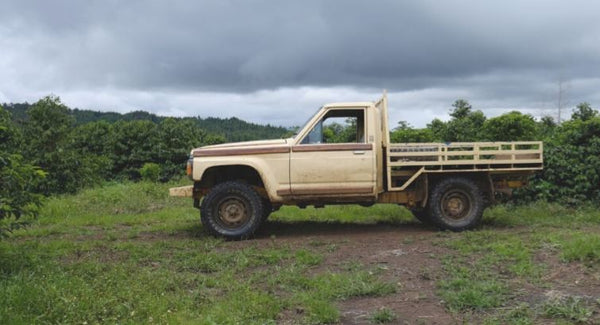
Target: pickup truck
(343, 155)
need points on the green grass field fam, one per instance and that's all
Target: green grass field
(127, 253)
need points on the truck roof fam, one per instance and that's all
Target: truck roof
(349, 104)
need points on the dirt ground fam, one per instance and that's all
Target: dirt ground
(408, 255)
(404, 255)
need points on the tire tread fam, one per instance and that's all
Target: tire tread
(467, 184)
(207, 210)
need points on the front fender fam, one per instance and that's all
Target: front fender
(273, 169)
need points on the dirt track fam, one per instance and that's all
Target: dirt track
(409, 255)
(405, 254)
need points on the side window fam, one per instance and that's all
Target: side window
(315, 135)
(338, 126)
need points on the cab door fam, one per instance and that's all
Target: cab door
(334, 158)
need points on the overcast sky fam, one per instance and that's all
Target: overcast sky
(278, 61)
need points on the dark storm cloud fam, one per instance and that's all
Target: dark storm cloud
(250, 45)
(490, 52)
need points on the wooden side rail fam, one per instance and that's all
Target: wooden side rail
(465, 153)
(405, 162)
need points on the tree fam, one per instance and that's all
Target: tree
(512, 126)
(465, 124)
(545, 127)
(92, 143)
(584, 112)
(571, 164)
(48, 126)
(405, 133)
(18, 179)
(438, 128)
(175, 138)
(92, 138)
(47, 135)
(133, 143)
(10, 135)
(462, 109)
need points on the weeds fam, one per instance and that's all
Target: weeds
(582, 248)
(472, 287)
(569, 308)
(521, 314)
(382, 316)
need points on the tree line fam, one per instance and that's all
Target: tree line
(231, 129)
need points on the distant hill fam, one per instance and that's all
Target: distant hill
(233, 129)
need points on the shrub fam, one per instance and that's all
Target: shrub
(18, 179)
(150, 172)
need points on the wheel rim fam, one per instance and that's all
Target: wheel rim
(233, 212)
(456, 205)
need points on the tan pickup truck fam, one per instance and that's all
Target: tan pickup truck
(343, 155)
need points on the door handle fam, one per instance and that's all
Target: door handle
(359, 152)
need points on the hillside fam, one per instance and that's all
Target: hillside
(232, 129)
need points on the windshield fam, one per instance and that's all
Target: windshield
(306, 122)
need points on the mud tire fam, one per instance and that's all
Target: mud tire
(232, 210)
(456, 204)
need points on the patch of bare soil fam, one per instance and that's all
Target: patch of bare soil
(102, 254)
(574, 279)
(401, 254)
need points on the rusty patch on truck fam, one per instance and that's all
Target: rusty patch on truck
(239, 151)
(321, 191)
(333, 190)
(332, 147)
(284, 192)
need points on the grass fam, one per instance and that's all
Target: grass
(583, 248)
(382, 316)
(541, 214)
(128, 253)
(568, 308)
(471, 288)
(490, 269)
(355, 214)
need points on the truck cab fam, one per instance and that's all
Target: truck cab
(343, 155)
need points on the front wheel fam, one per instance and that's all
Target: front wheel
(456, 204)
(232, 210)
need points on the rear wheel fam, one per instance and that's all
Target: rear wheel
(456, 204)
(232, 210)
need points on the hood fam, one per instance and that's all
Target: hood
(259, 143)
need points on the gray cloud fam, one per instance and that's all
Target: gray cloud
(500, 55)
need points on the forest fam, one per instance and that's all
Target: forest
(47, 148)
